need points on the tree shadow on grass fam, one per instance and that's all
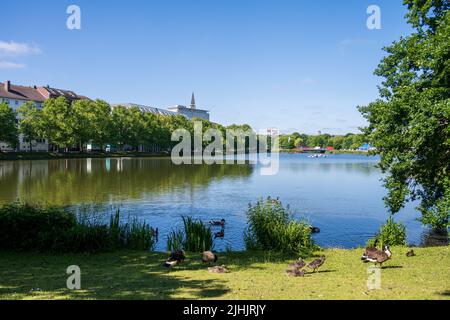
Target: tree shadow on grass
(132, 275)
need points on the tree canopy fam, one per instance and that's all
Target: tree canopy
(409, 123)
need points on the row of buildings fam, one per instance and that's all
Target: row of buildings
(17, 95)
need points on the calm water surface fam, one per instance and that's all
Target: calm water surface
(341, 194)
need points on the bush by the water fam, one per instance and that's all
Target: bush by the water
(194, 237)
(271, 226)
(25, 227)
(391, 233)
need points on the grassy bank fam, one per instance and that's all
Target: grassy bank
(75, 155)
(137, 275)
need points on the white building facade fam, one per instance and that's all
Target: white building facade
(190, 112)
(15, 96)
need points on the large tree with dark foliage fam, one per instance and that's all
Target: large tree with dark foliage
(409, 124)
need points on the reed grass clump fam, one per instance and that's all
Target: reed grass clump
(194, 237)
(25, 227)
(271, 226)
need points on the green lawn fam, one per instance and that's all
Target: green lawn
(137, 275)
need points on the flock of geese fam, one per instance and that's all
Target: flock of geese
(296, 268)
(209, 257)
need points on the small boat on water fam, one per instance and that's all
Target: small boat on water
(316, 156)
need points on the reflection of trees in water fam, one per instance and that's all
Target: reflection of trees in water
(359, 167)
(433, 238)
(101, 180)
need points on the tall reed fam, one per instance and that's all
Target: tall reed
(195, 236)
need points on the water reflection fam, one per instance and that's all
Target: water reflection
(433, 238)
(66, 182)
(341, 194)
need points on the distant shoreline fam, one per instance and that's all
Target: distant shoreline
(329, 152)
(15, 156)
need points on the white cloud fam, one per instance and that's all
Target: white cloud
(14, 49)
(11, 65)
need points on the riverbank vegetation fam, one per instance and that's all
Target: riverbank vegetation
(348, 142)
(271, 227)
(252, 275)
(38, 228)
(195, 236)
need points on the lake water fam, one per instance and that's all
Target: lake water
(341, 194)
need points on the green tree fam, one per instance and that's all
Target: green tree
(30, 122)
(409, 124)
(100, 122)
(80, 120)
(57, 122)
(8, 126)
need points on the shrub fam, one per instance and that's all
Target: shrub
(36, 228)
(25, 227)
(391, 234)
(272, 227)
(194, 237)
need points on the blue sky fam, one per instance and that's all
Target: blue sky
(295, 65)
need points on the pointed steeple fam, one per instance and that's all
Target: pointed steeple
(193, 101)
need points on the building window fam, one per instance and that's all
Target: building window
(17, 102)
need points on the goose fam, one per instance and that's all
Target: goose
(295, 273)
(369, 250)
(219, 234)
(378, 257)
(208, 257)
(218, 269)
(175, 258)
(410, 253)
(217, 223)
(316, 264)
(299, 264)
(314, 229)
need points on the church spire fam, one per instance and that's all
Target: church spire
(193, 101)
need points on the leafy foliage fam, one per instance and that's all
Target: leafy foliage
(271, 227)
(410, 124)
(8, 128)
(391, 233)
(26, 227)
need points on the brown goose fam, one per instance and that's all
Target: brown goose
(208, 257)
(378, 257)
(297, 265)
(369, 250)
(218, 269)
(175, 258)
(295, 273)
(410, 253)
(219, 234)
(316, 264)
